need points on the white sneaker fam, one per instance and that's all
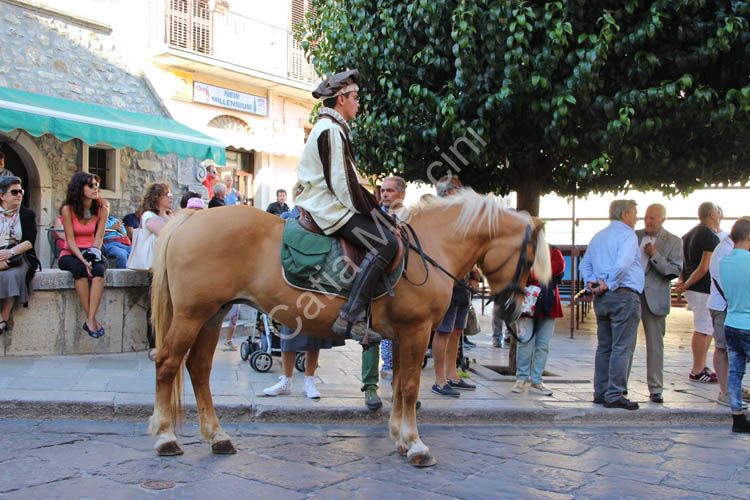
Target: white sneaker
(283, 386)
(520, 386)
(540, 388)
(310, 390)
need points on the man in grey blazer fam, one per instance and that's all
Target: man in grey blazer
(661, 257)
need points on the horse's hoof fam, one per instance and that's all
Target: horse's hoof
(402, 450)
(169, 449)
(224, 447)
(422, 460)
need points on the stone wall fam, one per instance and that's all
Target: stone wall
(136, 171)
(44, 55)
(52, 324)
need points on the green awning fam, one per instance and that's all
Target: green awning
(93, 124)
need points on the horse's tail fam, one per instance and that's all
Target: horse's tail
(542, 267)
(161, 304)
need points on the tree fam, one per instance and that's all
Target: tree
(566, 96)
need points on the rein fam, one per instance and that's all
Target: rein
(504, 296)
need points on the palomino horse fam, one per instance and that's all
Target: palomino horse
(191, 296)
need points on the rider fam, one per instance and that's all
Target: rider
(333, 195)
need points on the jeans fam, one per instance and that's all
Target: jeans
(738, 349)
(119, 251)
(387, 354)
(531, 358)
(617, 316)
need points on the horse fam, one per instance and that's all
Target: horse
(190, 298)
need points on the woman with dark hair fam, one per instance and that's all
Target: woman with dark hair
(84, 220)
(18, 262)
(157, 210)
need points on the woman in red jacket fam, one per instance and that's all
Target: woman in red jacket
(531, 357)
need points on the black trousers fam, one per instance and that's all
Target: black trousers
(362, 231)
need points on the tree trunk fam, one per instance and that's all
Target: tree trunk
(528, 193)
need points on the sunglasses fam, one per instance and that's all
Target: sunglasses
(16, 192)
(92, 184)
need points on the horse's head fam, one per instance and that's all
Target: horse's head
(518, 249)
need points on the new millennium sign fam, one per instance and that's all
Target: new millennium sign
(227, 98)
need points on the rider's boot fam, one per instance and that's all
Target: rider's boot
(351, 320)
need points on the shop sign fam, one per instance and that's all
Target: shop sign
(227, 98)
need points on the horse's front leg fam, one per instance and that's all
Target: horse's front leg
(199, 364)
(412, 349)
(394, 423)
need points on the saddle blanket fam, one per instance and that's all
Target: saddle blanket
(316, 263)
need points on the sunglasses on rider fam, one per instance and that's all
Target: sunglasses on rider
(16, 192)
(93, 184)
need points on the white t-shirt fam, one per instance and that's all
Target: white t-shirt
(145, 217)
(715, 301)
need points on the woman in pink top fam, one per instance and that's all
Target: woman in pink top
(84, 220)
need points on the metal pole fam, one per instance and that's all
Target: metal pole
(573, 261)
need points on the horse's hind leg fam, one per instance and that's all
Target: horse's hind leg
(199, 364)
(169, 358)
(412, 349)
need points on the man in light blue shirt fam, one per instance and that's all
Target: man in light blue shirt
(611, 269)
(734, 270)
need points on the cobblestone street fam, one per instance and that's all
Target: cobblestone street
(88, 459)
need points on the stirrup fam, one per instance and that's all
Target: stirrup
(355, 331)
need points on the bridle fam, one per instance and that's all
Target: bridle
(523, 265)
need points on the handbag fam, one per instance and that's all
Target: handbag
(531, 294)
(472, 323)
(142, 251)
(16, 260)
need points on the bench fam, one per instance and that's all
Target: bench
(51, 325)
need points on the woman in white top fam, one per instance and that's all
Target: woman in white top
(157, 210)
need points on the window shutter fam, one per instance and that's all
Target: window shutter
(298, 68)
(190, 25)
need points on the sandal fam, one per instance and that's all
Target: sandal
(230, 345)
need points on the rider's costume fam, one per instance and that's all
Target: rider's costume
(341, 206)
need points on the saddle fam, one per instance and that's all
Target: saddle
(352, 253)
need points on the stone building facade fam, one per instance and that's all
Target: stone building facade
(53, 53)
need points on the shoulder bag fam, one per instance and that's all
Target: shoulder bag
(142, 251)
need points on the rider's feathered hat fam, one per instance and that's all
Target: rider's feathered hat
(338, 84)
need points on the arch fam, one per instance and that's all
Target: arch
(231, 123)
(40, 184)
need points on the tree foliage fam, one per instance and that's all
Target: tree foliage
(567, 96)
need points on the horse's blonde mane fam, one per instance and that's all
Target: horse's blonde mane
(475, 209)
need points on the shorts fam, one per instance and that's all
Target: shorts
(718, 318)
(454, 319)
(698, 303)
(75, 266)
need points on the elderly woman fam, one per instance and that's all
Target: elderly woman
(84, 220)
(156, 207)
(18, 262)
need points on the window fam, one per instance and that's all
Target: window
(190, 25)
(242, 168)
(98, 165)
(103, 161)
(299, 68)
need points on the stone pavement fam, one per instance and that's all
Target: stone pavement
(115, 460)
(121, 386)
